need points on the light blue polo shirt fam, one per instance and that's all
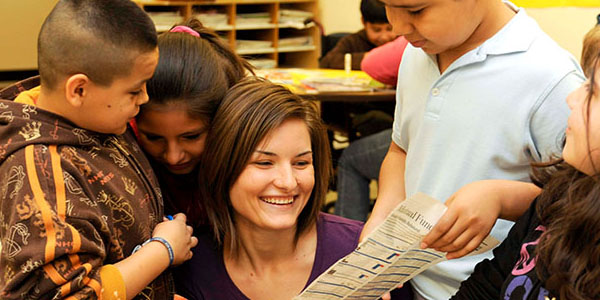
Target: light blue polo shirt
(494, 111)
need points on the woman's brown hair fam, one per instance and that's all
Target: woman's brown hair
(249, 112)
(569, 207)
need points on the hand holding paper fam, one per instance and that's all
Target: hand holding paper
(387, 257)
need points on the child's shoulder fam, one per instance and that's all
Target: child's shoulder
(522, 35)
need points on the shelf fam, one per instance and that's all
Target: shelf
(269, 30)
(297, 48)
(254, 26)
(255, 51)
(296, 26)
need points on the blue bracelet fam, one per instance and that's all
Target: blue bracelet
(161, 240)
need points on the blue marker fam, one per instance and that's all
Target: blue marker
(169, 217)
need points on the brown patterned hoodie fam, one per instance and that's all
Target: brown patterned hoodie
(72, 202)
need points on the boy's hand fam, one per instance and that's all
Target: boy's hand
(179, 235)
(370, 226)
(388, 295)
(472, 212)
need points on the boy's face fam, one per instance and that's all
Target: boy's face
(108, 109)
(379, 33)
(436, 26)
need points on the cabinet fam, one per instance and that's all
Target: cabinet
(269, 33)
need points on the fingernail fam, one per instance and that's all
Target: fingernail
(423, 246)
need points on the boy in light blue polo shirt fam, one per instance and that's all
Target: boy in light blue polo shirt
(480, 96)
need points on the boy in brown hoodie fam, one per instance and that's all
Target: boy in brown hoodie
(77, 195)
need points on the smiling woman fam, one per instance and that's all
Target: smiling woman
(266, 169)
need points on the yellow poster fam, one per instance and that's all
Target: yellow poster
(555, 3)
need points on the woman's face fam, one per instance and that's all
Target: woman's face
(278, 180)
(582, 147)
(171, 137)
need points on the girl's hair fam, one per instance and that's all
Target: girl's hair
(194, 71)
(248, 113)
(591, 47)
(569, 207)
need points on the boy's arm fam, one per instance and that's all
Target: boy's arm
(45, 256)
(390, 189)
(55, 245)
(464, 225)
(334, 59)
(487, 279)
(142, 267)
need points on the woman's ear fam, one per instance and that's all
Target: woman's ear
(76, 89)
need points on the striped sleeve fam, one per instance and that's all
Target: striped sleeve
(47, 253)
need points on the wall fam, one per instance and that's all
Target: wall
(20, 22)
(566, 25)
(340, 15)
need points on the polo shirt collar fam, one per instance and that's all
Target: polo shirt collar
(516, 36)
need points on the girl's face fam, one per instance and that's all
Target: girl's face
(278, 180)
(582, 147)
(171, 137)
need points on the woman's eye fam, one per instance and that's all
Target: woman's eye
(263, 163)
(192, 136)
(302, 163)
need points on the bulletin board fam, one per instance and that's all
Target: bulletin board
(556, 3)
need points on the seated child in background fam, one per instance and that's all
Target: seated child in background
(77, 195)
(367, 118)
(382, 62)
(552, 250)
(377, 31)
(266, 169)
(360, 162)
(194, 71)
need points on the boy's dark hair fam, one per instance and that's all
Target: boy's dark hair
(373, 11)
(98, 38)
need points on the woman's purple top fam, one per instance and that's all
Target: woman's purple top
(205, 276)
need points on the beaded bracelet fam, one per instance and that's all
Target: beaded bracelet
(158, 239)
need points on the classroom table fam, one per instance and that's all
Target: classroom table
(378, 95)
(329, 84)
(339, 93)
